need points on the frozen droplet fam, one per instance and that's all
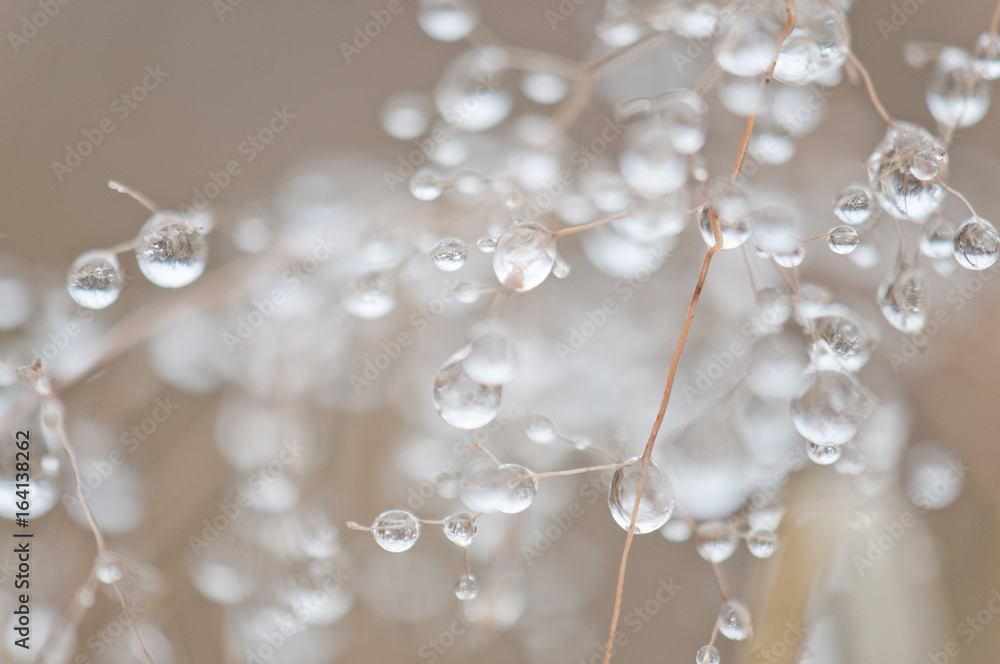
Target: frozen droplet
(829, 408)
(902, 297)
(466, 293)
(707, 655)
(986, 56)
(896, 189)
(734, 621)
(544, 87)
(525, 253)
(95, 280)
(762, 543)
(492, 358)
(405, 115)
(425, 185)
(460, 528)
(396, 530)
(449, 255)
(466, 587)
(715, 541)
(938, 239)
(976, 244)
(843, 240)
(732, 212)
(957, 96)
(170, 252)
(823, 455)
(370, 296)
(656, 504)
(447, 20)
(539, 429)
(853, 204)
(461, 401)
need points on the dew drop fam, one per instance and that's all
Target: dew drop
(762, 543)
(986, 56)
(656, 504)
(466, 587)
(449, 255)
(896, 189)
(466, 293)
(707, 655)
(170, 253)
(425, 185)
(460, 528)
(733, 217)
(370, 296)
(539, 429)
(527, 248)
(902, 297)
(843, 240)
(734, 621)
(976, 245)
(396, 530)
(447, 20)
(492, 358)
(823, 455)
(956, 95)
(461, 401)
(95, 280)
(715, 541)
(405, 115)
(853, 204)
(829, 408)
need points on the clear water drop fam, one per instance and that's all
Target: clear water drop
(466, 293)
(938, 239)
(733, 218)
(449, 255)
(95, 280)
(425, 185)
(925, 166)
(405, 115)
(466, 587)
(370, 296)
(396, 530)
(957, 96)
(539, 429)
(843, 240)
(171, 252)
(903, 299)
(829, 408)
(986, 56)
(762, 543)
(492, 358)
(460, 528)
(976, 245)
(896, 189)
(447, 20)
(461, 401)
(486, 244)
(853, 204)
(707, 655)
(527, 249)
(656, 504)
(544, 87)
(823, 455)
(734, 621)
(715, 541)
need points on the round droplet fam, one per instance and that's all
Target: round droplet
(460, 528)
(447, 20)
(466, 587)
(95, 280)
(461, 401)
(829, 408)
(493, 358)
(745, 46)
(925, 166)
(853, 204)
(405, 115)
(957, 96)
(843, 240)
(171, 252)
(715, 541)
(846, 339)
(525, 253)
(976, 245)
(543, 87)
(370, 296)
(707, 655)
(734, 621)
(676, 530)
(896, 189)
(762, 543)
(449, 255)
(520, 488)
(812, 300)
(986, 56)
(656, 504)
(823, 455)
(938, 239)
(539, 429)
(396, 530)
(732, 212)
(935, 475)
(466, 293)
(425, 185)
(902, 297)
(486, 244)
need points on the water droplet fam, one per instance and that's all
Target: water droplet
(745, 46)
(902, 297)
(734, 621)
(474, 90)
(493, 358)
(486, 244)
(425, 185)
(461, 401)
(935, 475)
(976, 244)
(896, 189)
(543, 87)
(370, 296)
(618, 29)
(539, 429)
(466, 587)
(449, 255)
(396, 530)
(466, 293)
(956, 95)
(733, 218)
(656, 504)
(823, 455)
(405, 115)
(775, 232)
(843, 240)
(460, 528)
(715, 541)
(520, 491)
(762, 543)
(707, 655)
(692, 19)
(684, 115)
(925, 166)
(853, 204)
(171, 253)
(469, 183)
(447, 20)
(844, 337)
(938, 239)
(676, 530)
(986, 56)
(95, 280)
(812, 300)
(530, 250)
(649, 162)
(816, 48)
(829, 408)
